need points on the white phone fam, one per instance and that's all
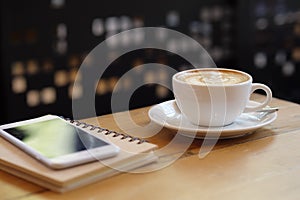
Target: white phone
(56, 142)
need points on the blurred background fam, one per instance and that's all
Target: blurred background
(43, 44)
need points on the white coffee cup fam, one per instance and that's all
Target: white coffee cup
(216, 96)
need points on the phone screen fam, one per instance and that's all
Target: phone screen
(55, 137)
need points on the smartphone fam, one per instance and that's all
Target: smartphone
(56, 142)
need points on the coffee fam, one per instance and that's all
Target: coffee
(213, 77)
(217, 96)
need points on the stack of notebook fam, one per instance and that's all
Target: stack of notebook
(134, 154)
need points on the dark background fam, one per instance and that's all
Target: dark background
(44, 42)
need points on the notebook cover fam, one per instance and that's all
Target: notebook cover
(15, 161)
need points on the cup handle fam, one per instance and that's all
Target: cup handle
(267, 90)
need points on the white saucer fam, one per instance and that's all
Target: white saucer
(167, 114)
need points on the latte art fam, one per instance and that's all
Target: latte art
(214, 77)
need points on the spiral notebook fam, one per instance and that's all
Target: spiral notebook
(134, 153)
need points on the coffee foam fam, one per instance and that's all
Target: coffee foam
(213, 77)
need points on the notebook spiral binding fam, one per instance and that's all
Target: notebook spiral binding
(104, 130)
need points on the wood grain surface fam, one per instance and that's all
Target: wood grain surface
(263, 165)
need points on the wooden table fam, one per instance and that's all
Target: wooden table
(263, 165)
